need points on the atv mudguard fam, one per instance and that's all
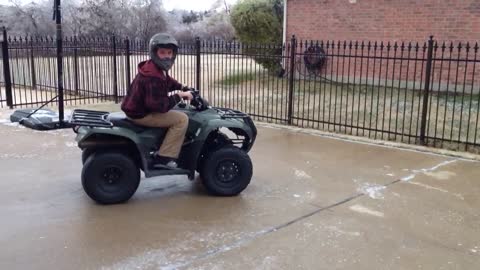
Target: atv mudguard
(239, 126)
(207, 133)
(117, 138)
(86, 135)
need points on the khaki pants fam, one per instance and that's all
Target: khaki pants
(176, 122)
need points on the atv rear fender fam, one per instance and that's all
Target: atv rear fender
(100, 139)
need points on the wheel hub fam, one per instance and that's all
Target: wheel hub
(111, 175)
(227, 171)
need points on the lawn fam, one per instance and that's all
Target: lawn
(391, 112)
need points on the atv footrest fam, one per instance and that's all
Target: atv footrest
(158, 172)
(90, 118)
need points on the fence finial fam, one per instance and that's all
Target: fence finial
(4, 33)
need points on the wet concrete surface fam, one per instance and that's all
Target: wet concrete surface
(314, 203)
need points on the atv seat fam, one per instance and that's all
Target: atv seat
(119, 119)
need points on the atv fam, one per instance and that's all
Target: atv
(115, 150)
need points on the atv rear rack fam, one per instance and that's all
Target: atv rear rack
(90, 118)
(229, 113)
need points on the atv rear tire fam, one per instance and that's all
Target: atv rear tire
(110, 177)
(227, 171)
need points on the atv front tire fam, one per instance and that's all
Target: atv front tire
(227, 171)
(86, 153)
(110, 177)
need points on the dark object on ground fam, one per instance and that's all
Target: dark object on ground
(43, 119)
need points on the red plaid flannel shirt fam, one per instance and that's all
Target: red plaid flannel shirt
(149, 91)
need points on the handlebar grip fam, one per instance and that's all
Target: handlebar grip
(186, 89)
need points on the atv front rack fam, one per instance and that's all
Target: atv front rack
(229, 113)
(90, 118)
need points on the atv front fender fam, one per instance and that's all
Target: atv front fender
(240, 126)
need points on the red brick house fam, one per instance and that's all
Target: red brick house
(385, 42)
(383, 20)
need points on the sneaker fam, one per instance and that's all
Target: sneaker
(172, 164)
(164, 162)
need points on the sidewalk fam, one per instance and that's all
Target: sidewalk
(314, 203)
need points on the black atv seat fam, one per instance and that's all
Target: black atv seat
(119, 119)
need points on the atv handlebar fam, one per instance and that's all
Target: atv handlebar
(197, 101)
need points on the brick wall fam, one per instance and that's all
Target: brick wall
(384, 20)
(394, 22)
(454, 68)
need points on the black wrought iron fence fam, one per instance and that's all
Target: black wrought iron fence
(426, 93)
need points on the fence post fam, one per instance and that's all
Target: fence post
(293, 47)
(127, 58)
(6, 69)
(426, 90)
(197, 53)
(32, 65)
(115, 86)
(75, 64)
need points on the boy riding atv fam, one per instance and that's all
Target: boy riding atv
(161, 135)
(148, 103)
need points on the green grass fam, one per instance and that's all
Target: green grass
(457, 97)
(316, 103)
(396, 110)
(238, 78)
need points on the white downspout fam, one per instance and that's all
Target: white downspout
(285, 21)
(284, 31)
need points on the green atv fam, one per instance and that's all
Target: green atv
(115, 150)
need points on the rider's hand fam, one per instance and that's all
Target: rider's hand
(186, 88)
(185, 95)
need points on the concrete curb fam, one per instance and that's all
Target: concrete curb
(331, 135)
(381, 143)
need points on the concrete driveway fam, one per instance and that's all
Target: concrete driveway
(314, 203)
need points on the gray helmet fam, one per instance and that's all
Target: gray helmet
(163, 40)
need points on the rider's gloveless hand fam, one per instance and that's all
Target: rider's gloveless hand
(185, 95)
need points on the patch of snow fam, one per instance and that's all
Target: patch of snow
(269, 262)
(18, 156)
(427, 170)
(14, 124)
(364, 210)
(47, 145)
(71, 144)
(339, 231)
(428, 187)
(374, 191)
(396, 194)
(408, 178)
(437, 189)
(299, 174)
(441, 175)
